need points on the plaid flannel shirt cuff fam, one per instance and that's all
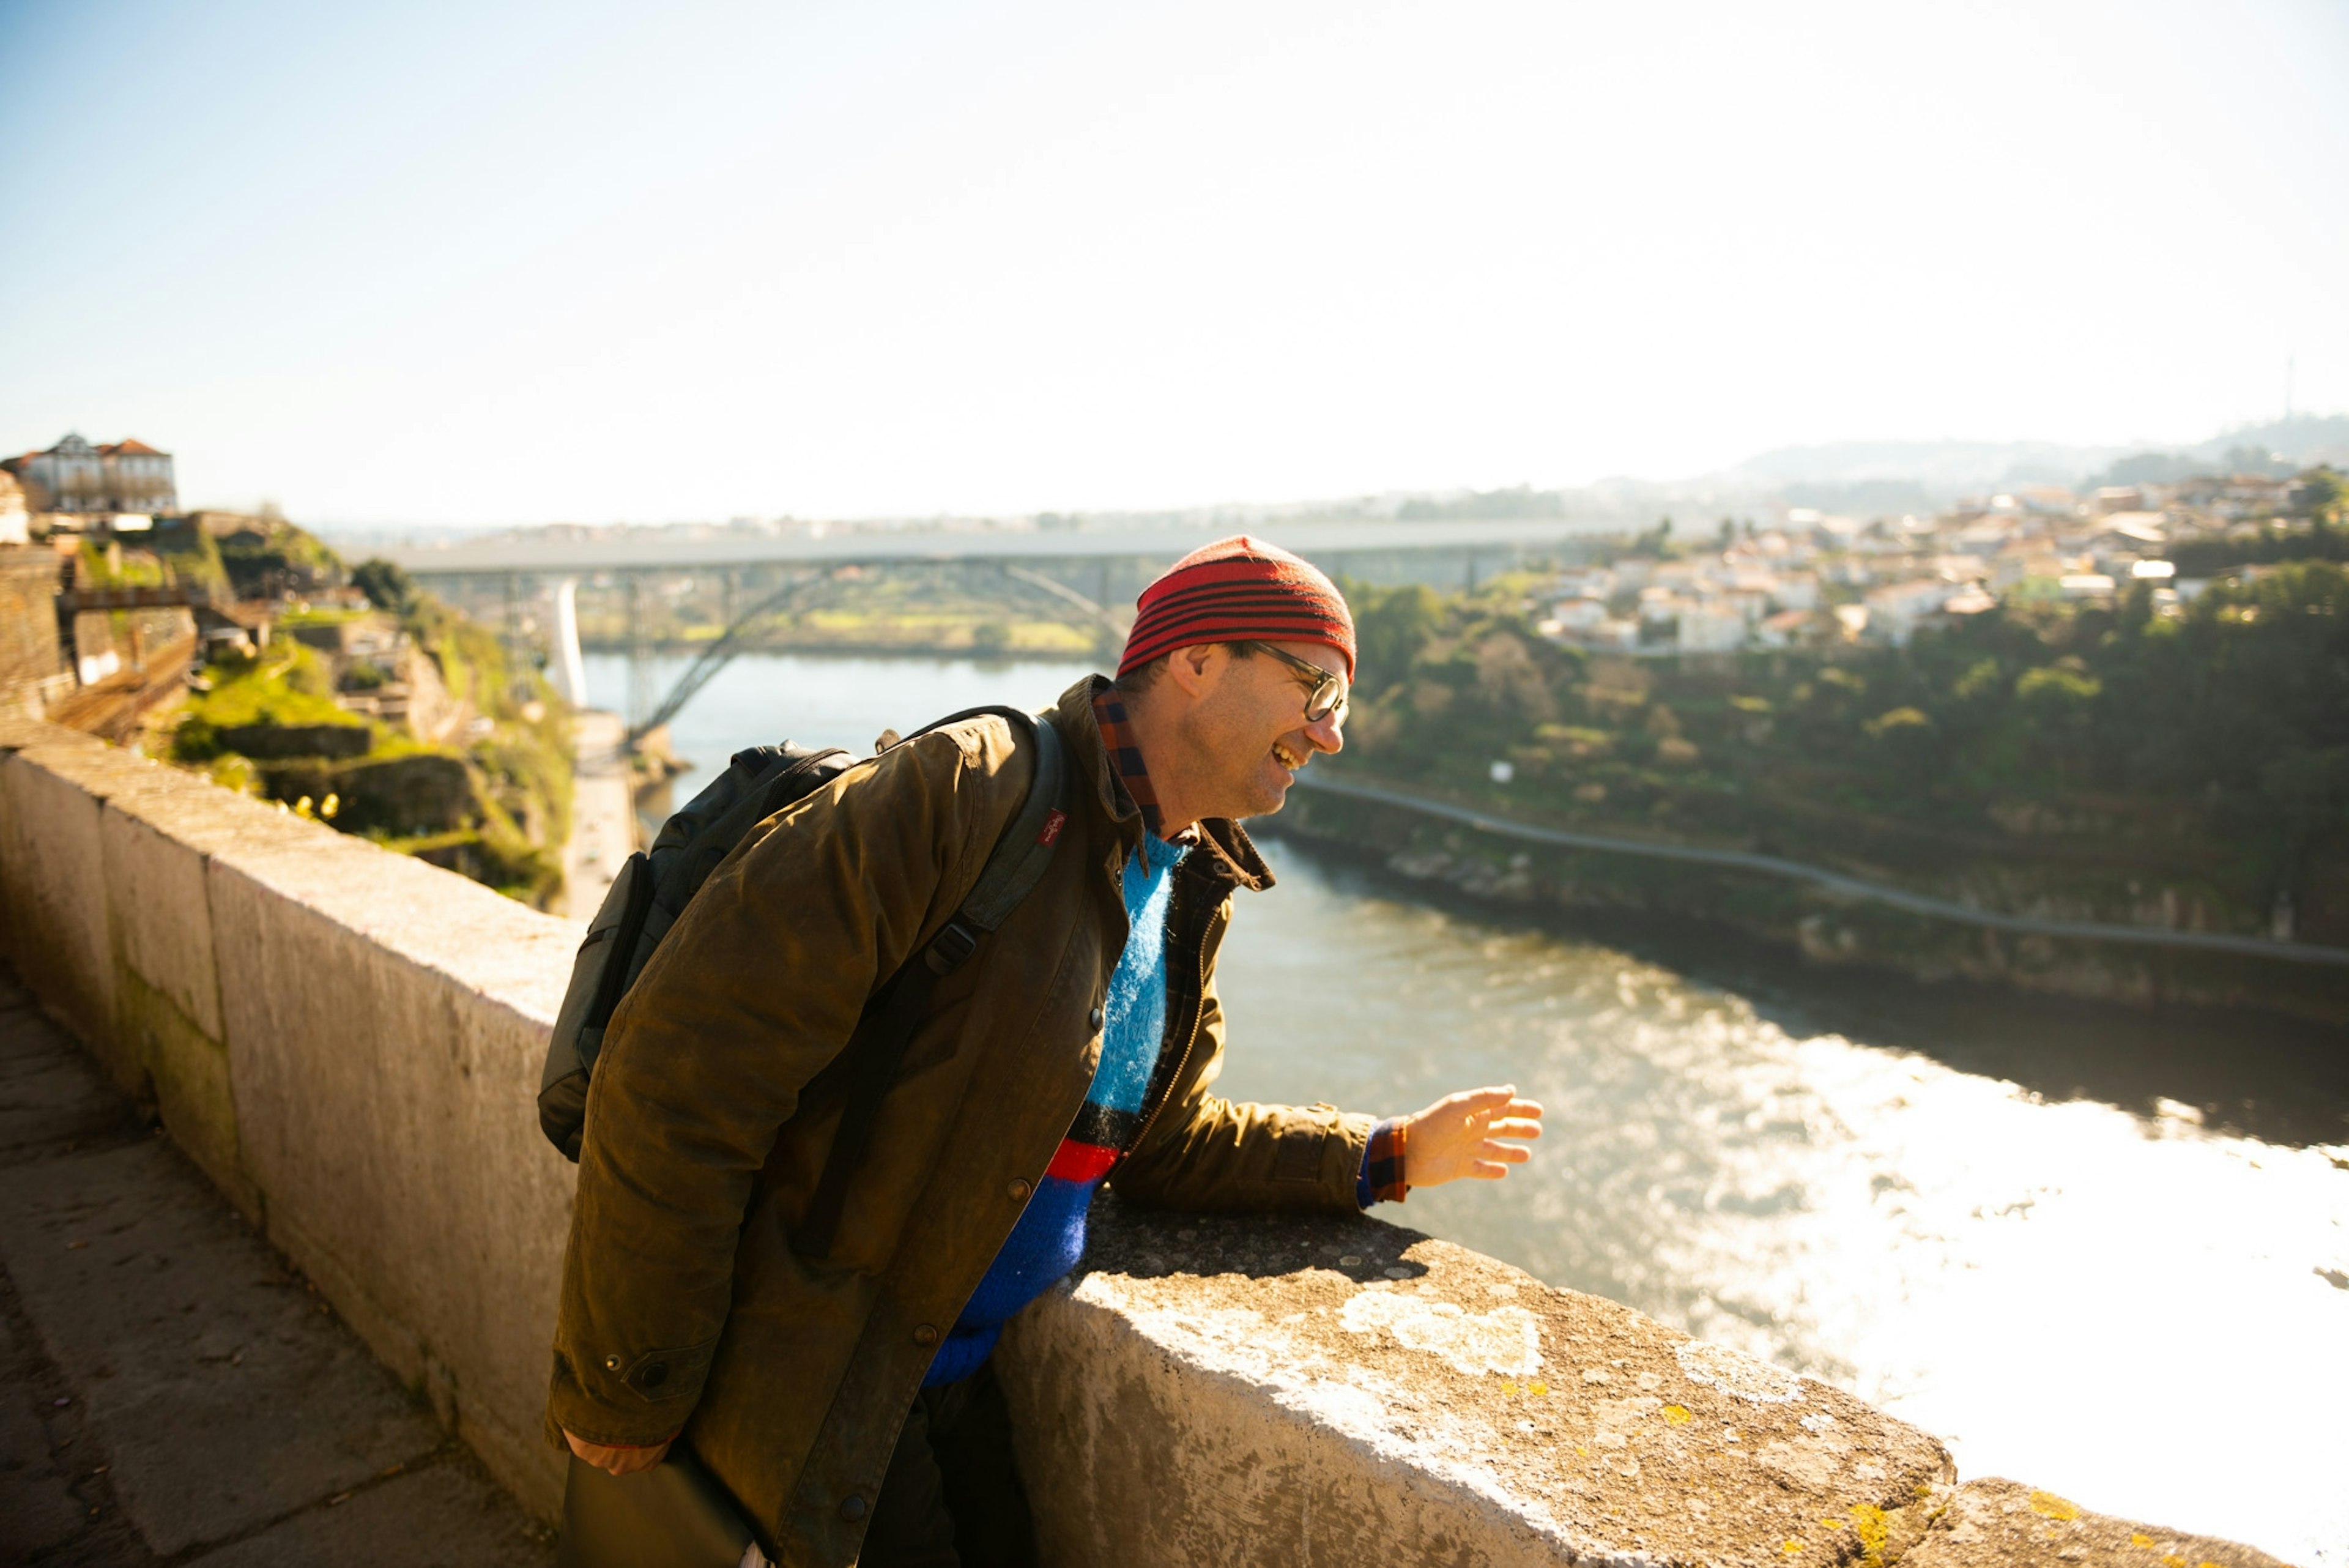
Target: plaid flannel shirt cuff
(1382, 1177)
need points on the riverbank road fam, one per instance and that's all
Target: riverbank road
(603, 811)
(173, 1393)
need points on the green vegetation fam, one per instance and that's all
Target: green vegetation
(386, 585)
(522, 802)
(288, 685)
(474, 773)
(2105, 761)
(268, 556)
(2321, 532)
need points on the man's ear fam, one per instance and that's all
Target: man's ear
(1193, 669)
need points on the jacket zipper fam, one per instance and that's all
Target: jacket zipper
(1190, 1040)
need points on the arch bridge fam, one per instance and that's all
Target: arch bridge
(1082, 577)
(1056, 599)
(751, 607)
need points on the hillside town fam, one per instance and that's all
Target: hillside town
(111, 596)
(238, 645)
(1811, 578)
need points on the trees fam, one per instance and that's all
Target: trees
(2206, 741)
(386, 585)
(1390, 627)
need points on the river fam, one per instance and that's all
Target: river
(2105, 1252)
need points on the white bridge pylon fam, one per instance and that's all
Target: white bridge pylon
(566, 668)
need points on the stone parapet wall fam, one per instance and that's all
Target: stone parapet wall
(348, 1042)
(30, 650)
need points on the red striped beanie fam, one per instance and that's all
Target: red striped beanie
(1239, 589)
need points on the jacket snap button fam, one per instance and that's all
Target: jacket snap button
(1094, 1018)
(611, 1364)
(926, 1335)
(852, 1508)
(1021, 1189)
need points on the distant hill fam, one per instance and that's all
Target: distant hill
(1879, 476)
(1964, 465)
(2301, 440)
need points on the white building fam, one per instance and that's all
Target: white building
(1588, 583)
(1710, 626)
(1573, 617)
(1894, 610)
(76, 477)
(1796, 591)
(12, 518)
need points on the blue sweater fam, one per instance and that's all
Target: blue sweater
(1050, 1233)
(1049, 1236)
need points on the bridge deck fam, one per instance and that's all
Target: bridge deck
(685, 549)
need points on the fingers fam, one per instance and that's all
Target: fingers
(629, 1461)
(1472, 1106)
(615, 1461)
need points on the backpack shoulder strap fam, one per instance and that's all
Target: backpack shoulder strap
(895, 1010)
(1019, 856)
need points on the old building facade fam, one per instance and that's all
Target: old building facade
(75, 476)
(15, 519)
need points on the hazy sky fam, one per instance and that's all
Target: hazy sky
(593, 262)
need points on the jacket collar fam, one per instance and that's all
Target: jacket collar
(1230, 854)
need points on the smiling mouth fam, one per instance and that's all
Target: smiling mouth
(1286, 758)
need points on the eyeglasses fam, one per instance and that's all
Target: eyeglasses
(1326, 692)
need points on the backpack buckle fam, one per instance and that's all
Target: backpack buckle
(951, 946)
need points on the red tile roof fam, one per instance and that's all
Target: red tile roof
(128, 448)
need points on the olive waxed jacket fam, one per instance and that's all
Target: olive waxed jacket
(723, 1079)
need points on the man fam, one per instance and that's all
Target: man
(846, 1402)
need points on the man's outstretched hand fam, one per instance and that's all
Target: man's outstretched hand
(1460, 1136)
(618, 1461)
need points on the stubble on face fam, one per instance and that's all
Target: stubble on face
(1234, 733)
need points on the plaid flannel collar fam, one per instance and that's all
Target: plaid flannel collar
(1125, 758)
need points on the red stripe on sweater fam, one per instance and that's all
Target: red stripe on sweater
(1074, 1161)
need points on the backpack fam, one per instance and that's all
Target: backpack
(654, 888)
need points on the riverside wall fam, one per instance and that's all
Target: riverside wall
(348, 1042)
(1826, 926)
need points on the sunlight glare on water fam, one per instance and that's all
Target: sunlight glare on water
(2132, 1311)
(2147, 1316)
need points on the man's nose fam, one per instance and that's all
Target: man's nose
(1324, 733)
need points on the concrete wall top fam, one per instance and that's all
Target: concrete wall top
(1205, 1373)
